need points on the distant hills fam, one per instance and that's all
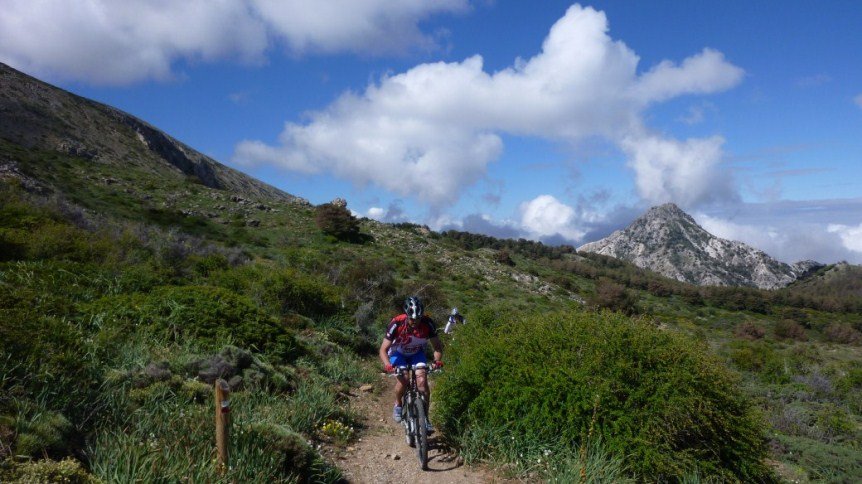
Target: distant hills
(668, 241)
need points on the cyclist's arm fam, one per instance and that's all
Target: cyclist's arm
(438, 348)
(384, 348)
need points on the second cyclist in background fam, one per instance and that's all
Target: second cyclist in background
(454, 318)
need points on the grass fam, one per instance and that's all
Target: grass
(128, 240)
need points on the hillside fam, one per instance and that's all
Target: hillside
(127, 284)
(40, 117)
(668, 241)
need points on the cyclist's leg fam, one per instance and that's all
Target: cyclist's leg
(398, 360)
(420, 362)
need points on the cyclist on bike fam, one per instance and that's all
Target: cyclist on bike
(454, 318)
(404, 345)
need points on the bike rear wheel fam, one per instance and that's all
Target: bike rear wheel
(421, 434)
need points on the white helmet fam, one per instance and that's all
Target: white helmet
(454, 311)
(413, 307)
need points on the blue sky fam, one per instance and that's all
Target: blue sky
(546, 120)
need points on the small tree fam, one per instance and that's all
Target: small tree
(337, 221)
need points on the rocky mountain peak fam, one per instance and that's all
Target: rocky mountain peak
(669, 241)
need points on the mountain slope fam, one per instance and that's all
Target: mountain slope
(37, 116)
(668, 241)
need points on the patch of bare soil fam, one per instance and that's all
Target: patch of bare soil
(381, 455)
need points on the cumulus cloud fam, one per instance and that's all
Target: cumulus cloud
(545, 216)
(827, 231)
(376, 213)
(851, 236)
(360, 26)
(119, 42)
(425, 132)
(394, 213)
(685, 172)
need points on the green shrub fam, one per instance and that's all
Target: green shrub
(789, 329)
(852, 380)
(337, 221)
(835, 421)
(290, 290)
(67, 471)
(212, 316)
(613, 296)
(749, 330)
(761, 358)
(843, 333)
(823, 462)
(663, 403)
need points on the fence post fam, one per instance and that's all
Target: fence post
(222, 421)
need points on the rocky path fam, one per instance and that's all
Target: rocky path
(381, 454)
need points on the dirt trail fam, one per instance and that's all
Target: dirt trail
(382, 455)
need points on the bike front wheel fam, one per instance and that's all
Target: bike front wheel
(421, 434)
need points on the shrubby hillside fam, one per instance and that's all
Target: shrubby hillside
(126, 288)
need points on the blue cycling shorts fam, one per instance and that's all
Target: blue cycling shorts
(397, 359)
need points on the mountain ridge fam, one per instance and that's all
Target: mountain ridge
(37, 115)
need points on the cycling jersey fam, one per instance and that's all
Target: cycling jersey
(453, 320)
(408, 341)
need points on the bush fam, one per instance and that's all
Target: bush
(503, 257)
(67, 470)
(759, 357)
(290, 290)
(660, 400)
(842, 333)
(337, 221)
(610, 295)
(750, 331)
(789, 329)
(211, 315)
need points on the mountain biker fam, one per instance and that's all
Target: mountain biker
(454, 318)
(404, 345)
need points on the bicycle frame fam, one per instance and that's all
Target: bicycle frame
(415, 413)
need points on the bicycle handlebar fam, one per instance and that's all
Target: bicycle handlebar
(428, 370)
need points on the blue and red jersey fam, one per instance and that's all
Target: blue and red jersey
(407, 340)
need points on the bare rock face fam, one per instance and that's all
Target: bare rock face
(668, 241)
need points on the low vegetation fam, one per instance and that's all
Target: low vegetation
(654, 400)
(122, 295)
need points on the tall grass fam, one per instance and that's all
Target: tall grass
(170, 438)
(531, 458)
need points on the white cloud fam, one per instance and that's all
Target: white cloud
(851, 237)
(788, 233)
(376, 213)
(119, 42)
(434, 129)
(762, 237)
(545, 216)
(685, 172)
(361, 26)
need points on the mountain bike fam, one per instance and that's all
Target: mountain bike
(414, 412)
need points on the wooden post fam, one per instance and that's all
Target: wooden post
(222, 420)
